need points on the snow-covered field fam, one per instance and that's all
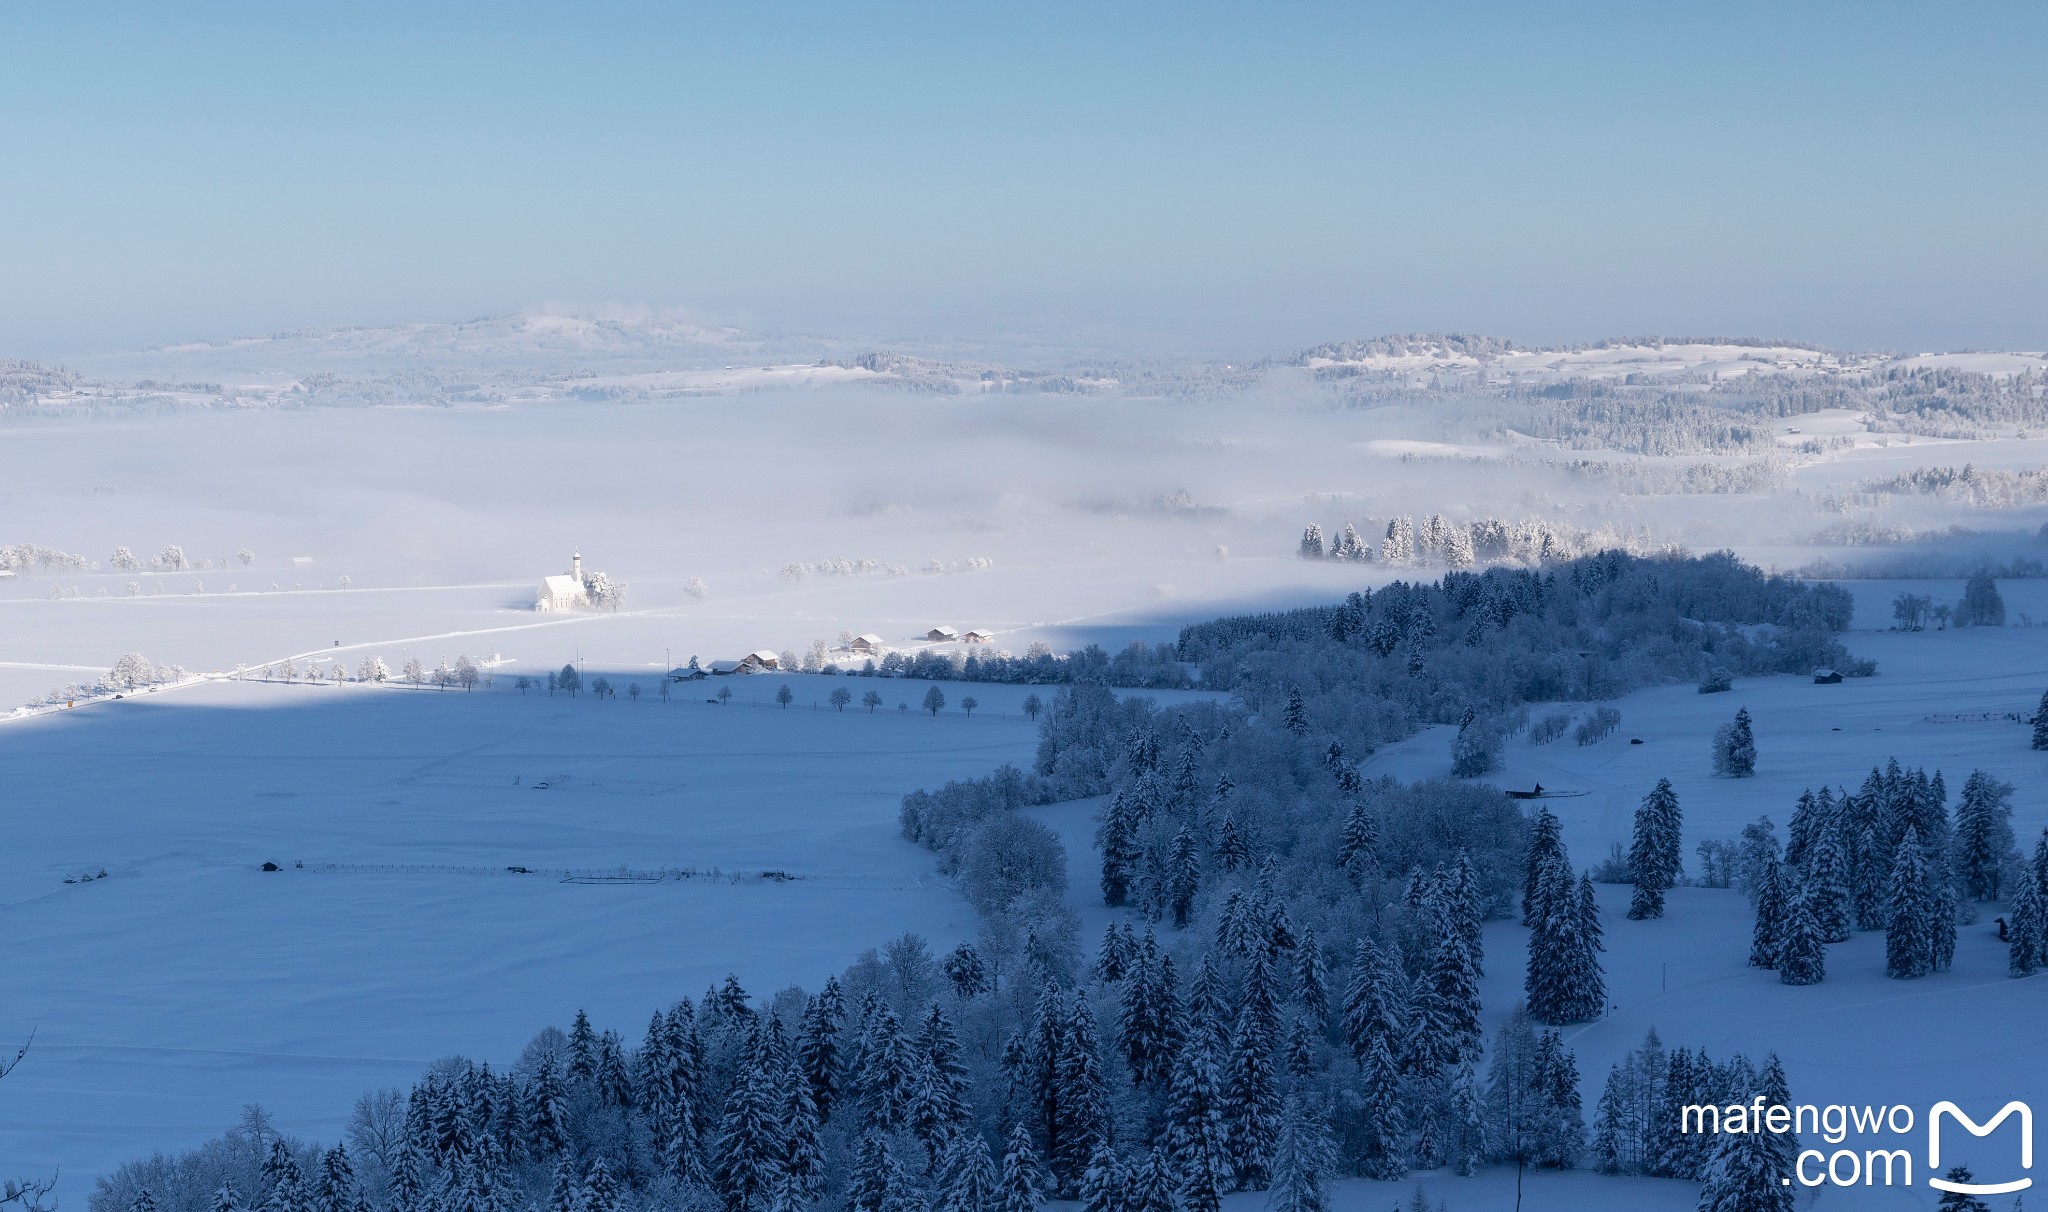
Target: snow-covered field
(188, 981)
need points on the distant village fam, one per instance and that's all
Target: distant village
(577, 590)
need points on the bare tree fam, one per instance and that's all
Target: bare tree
(25, 1194)
(840, 697)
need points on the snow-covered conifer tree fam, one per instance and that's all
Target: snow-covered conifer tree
(1022, 1179)
(1768, 937)
(1983, 835)
(1654, 853)
(1801, 950)
(1251, 1093)
(1311, 543)
(1909, 944)
(1304, 1160)
(1735, 748)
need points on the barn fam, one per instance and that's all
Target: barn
(979, 636)
(942, 635)
(867, 645)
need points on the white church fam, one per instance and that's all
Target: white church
(564, 592)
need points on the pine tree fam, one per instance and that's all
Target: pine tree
(877, 1177)
(1801, 955)
(803, 1153)
(1735, 748)
(1251, 1097)
(1195, 1133)
(1564, 982)
(1382, 1129)
(2041, 723)
(1142, 1021)
(1748, 1174)
(1118, 841)
(1983, 835)
(1304, 1159)
(1545, 844)
(1082, 1099)
(1358, 848)
(750, 1149)
(817, 1046)
(1021, 1179)
(1312, 979)
(1185, 880)
(1960, 1201)
(1312, 542)
(1654, 855)
(600, 1190)
(225, 1199)
(1826, 887)
(1295, 719)
(1104, 1183)
(582, 1050)
(2026, 929)
(1767, 940)
(1232, 850)
(1561, 1131)
(1909, 943)
(972, 1183)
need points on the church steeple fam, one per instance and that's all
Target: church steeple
(576, 567)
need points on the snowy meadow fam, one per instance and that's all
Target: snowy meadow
(1238, 913)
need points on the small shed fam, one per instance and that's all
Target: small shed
(1827, 677)
(942, 635)
(868, 644)
(979, 636)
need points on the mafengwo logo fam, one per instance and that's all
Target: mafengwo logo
(1879, 1166)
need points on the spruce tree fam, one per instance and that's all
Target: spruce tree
(1735, 748)
(1802, 957)
(1909, 944)
(1118, 841)
(1153, 1185)
(1195, 1133)
(817, 1045)
(803, 1152)
(750, 1149)
(2041, 723)
(1545, 843)
(1983, 835)
(1382, 1129)
(1962, 1201)
(1748, 1173)
(1104, 1183)
(1021, 1180)
(1768, 938)
(1251, 1092)
(1083, 1101)
(1304, 1160)
(1358, 848)
(1826, 887)
(2026, 929)
(1564, 983)
(1654, 854)
(1312, 979)
(1185, 879)
(582, 1049)
(972, 1183)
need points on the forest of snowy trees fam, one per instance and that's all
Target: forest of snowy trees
(1293, 994)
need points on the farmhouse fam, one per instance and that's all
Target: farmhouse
(942, 635)
(685, 673)
(979, 636)
(866, 644)
(753, 662)
(563, 592)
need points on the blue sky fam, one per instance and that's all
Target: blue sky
(1237, 179)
